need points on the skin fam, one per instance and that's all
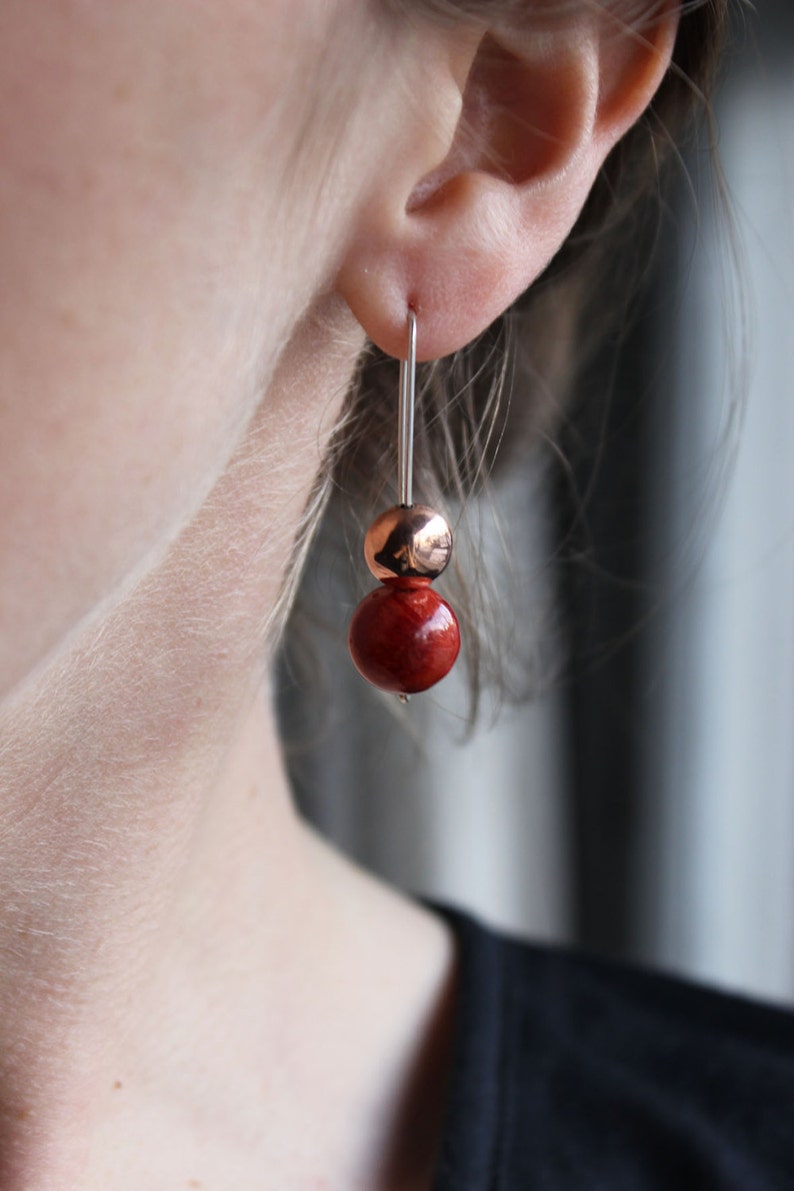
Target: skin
(194, 990)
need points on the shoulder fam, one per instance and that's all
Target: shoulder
(575, 1072)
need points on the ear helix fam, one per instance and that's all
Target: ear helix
(403, 637)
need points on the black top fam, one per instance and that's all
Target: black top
(572, 1073)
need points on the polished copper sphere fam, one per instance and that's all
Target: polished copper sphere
(408, 543)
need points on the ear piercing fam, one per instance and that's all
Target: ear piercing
(404, 637)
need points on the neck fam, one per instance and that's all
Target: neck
(166, 922)
(184, 964)
(131, 773)
(148, 847)
(123, 910)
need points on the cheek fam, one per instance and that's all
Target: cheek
(138, 211)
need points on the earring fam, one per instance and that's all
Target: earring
(403, 636)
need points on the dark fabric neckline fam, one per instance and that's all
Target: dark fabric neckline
(569, 1070)
(470, 1133)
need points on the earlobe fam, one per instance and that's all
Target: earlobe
(540, 111)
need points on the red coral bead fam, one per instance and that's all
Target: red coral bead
(404, 637)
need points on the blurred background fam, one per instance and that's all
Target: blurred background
(642, 803)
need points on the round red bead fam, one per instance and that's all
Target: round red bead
(404, 637)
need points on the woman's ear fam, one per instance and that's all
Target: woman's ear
(537, 112)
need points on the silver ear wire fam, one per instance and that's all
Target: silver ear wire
(405, 424)
(403, 636)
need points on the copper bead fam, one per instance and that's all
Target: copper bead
(408, 543)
